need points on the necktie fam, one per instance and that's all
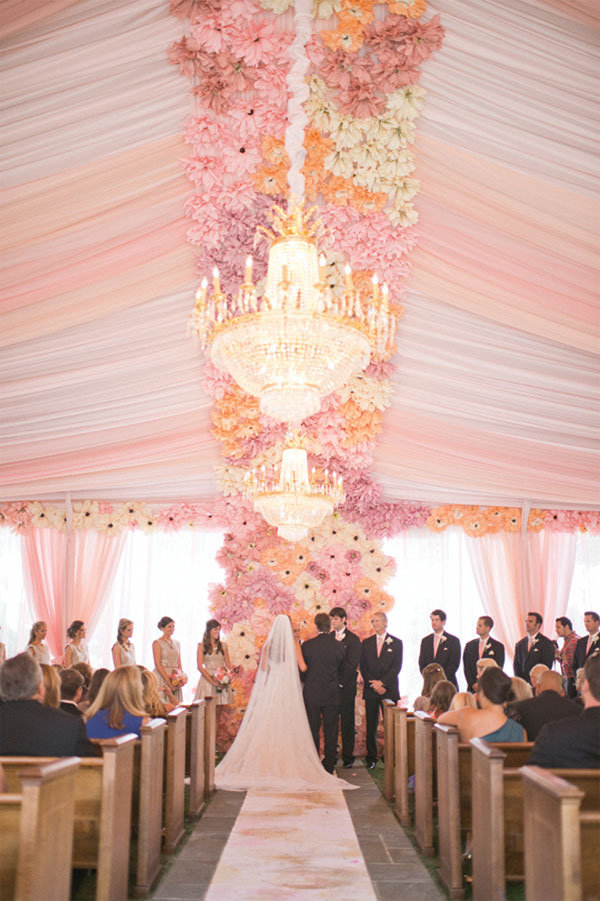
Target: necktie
(436, 644)
(589, 644)
(481, 648)
(529, 645)
(379, 644)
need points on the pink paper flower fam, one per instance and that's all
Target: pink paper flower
(359, 100)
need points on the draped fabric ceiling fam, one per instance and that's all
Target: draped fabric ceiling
(495, 395)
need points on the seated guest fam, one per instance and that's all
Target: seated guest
(51, 686)
(579, 675)
(521, 689)
(463, 699)
(94, 689)
(575, 741)
(87, 672)
(549, 705)
(29, 728)
(441, 698)
(153, 704)
(536, 674)
(490, 722)
(482, 664)
(71, 689)
(432, 674)
(119, 708)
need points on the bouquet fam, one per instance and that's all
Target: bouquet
(177, 679)
(222, 677)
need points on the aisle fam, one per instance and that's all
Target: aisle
(345, 846)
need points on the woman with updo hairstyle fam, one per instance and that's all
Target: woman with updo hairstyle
(94, 688)
(441, 698)
(167, 663)
(76, 651)
(51, 686)
(123, 652)
(490, 722)
(119, 708)
(432, 674)
(36, 647)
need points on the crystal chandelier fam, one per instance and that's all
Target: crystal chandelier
(293, 502)
(299, 341)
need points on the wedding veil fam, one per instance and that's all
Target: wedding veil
(274, 749)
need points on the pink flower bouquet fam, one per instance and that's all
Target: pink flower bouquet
(177, 679)
(223, 678)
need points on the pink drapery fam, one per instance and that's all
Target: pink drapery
(69, 577)
(516, 573)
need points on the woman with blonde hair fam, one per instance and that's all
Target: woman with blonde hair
(521, 689)
(150, 696)
(123, 651)
(119, 707)
(36, 647)
(432, 674)
(51, 686)
(463, 699)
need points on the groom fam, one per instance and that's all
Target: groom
(324, 660)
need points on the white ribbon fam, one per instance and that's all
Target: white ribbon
(296, 81)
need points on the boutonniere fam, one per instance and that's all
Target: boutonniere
(388, 640)
(595, 638)
(487, 647)
(535, 641)
(442, 639)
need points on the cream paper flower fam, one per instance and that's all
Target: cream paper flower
(403, 216)
(276, 6)
(339, 163)
(324, 9)
(408, 102)
(348, 132)
(368, 394)
(404, 189)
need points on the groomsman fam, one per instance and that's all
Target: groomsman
(478, 648)
(533, 649)
(440, 647)
(324, 660)
(587, 646)
(351, 643)
(380, 663)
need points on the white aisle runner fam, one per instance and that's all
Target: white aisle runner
(292, 846)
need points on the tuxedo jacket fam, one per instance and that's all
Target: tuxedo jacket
(581, 655)
(71, 709)
(570, 743)
(352, 644)
(448, 655)
(495, 651)
(324, 659)
(28, 728)
(524, 660)
(547, 707)
(385, 668)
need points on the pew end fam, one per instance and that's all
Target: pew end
(399, 725)
(147, 803)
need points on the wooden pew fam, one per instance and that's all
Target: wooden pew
(195, 763)
(102, 820)
(424, 783)
(36, 832)
(175, 779)
(401, 808)
(454, 775)
(388, 749)
(498, 841)
(562, 842)
(210, 745)
(147, 804)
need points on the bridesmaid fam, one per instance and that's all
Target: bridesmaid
(36, 647)
(167, 660)
(123, 652)
(212, 655)
(76, 651)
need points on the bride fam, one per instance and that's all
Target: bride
(274, 749)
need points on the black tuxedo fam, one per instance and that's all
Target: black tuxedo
(581, 655)
(524, 660)
(570, 743)
(71, 709)
(494, 650)
(349, 677)
(322, 691)
(384, 668)
(28, 728)
(448, 655)
(547, 707)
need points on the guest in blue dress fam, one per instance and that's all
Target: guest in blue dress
(494, 691)
(119, 707)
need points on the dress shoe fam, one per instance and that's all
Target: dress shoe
(348, 766)
(371, 764)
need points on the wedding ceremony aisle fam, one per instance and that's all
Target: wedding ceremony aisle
(345, 846)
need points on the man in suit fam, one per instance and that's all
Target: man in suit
(480, 648)
(533, 649)
(549, 705)
(380, 663)
(575, 741)
(440, 647)
(322, 693)
(587, 646)
(351, 642)
(71, 689)
(27, 727)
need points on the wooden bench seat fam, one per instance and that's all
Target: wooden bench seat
(36, 831)
(174, 763)
(389, 782)
(147, 804)
(424, 782)
(562, 840)
(400, 720)
(195, 757)
(102, 818)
